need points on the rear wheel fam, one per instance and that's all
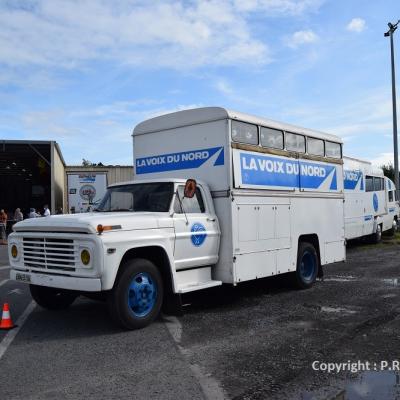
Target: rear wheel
(393, 229)
(136, 298)
(307, 266)
(52, 298)
(377, 236)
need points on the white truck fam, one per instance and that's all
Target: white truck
(263, 198)
(371, 206)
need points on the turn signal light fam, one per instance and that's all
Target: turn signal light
(85, 257)
(102, 228)
(14, 251)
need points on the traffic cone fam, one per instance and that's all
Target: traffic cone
(6, 322)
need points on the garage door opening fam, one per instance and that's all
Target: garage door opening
(31, 175)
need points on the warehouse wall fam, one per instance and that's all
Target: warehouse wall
(59, 184)
(115, 174)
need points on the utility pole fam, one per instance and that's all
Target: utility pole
(390, 32)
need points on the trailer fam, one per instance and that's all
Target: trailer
(371, 207)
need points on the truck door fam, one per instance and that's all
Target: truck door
(197, 233)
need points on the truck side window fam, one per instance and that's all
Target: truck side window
(369, 184)
(191, 206)
(271, 138)
(378, 184)
(315, 146)
(333, 150)
(390, 195)
(295, 142)
(244, 133)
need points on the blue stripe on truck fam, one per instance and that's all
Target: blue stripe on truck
(175, 161)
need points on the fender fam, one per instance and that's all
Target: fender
(117, 245)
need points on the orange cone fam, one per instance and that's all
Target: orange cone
(6, 322)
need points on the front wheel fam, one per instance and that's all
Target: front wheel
(52, 298)
(136, 298)
(307, 266)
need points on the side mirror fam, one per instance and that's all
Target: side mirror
(190, 188)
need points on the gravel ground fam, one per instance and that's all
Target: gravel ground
(260, 340)
(257, 341)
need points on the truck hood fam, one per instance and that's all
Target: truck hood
(87, 222)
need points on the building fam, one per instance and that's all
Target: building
(33, 173)
(86, 186)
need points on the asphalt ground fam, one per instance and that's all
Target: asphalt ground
(256, 341)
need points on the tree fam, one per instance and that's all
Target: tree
(388, 171)
(86, 163)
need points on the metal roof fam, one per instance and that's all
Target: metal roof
(208, 114)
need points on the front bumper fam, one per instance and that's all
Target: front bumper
(61, 282)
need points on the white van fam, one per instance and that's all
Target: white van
(263, 198)
(370, 204)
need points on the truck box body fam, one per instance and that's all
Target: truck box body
(265, 199)
(369, 199)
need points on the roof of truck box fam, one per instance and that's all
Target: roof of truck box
(207, 114)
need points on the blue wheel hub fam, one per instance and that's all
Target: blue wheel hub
(307, 266)
(142, 294)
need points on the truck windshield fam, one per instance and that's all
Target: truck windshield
(155, 197)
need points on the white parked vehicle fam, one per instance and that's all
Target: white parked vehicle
(267, 199)
(370, 201)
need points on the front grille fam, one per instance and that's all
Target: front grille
(49, 253)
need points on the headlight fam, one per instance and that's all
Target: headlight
(14, 251)
(85, 257)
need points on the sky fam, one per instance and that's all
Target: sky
(85, 72)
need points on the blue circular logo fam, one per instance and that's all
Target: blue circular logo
(375, 202)
(198, 234)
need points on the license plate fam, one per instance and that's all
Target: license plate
(22, 277)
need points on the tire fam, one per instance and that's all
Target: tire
(137, 296)
(392, 231)
(52, 298)
(307, 266)
(377, 236)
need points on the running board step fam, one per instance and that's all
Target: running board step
(193, 286)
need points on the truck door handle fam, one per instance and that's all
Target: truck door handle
(211, 219)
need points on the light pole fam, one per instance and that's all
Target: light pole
(392, 28)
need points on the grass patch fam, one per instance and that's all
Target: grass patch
(386, 242)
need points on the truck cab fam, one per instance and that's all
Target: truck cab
(391, 217)
(137, 225)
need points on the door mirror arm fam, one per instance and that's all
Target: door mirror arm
(181, 204)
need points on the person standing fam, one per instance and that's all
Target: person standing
(18, 216)
(3, 227)
(33, 213)
(46, 211)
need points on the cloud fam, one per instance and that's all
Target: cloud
(291, 7)
(383, 159)
(301, 37)
(176, 34)
(224, 87)
(101, 133)
(356, 25)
